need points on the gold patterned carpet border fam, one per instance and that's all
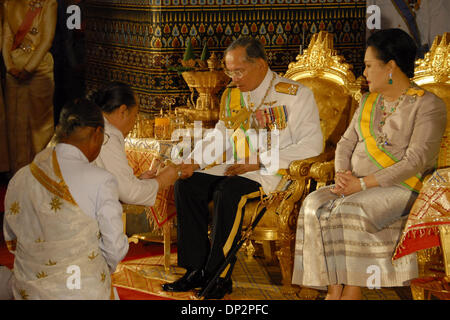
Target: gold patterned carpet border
(252, 278)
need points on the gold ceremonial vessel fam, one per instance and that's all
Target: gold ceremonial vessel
(208, 84)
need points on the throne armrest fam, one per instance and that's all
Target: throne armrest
(317, 168)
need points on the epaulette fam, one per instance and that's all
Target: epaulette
(286, 87)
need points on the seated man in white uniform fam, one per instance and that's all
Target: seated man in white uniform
(63, 218)
(261, 103)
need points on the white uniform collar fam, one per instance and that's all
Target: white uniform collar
(257, 94)
(110, 128)
(70, 152)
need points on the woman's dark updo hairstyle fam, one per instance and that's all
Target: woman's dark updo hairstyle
(397, 45)
(112, 96)
(78, 113)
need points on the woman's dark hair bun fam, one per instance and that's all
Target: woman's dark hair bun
(112, 95)
(96, 96)
(78, 113)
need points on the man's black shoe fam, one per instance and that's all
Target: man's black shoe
(219, 290)
(192, 279)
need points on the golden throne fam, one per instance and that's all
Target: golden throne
(430, 215)
(337, 93)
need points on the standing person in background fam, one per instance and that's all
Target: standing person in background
(63, 218)
(4, 159)
(68, 51)
(29, 28)
(432, 19)
(423, 20)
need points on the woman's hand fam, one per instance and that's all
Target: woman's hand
(15, 73)
(346, 184)
(340, 182)
(167, 176)
(24, 75)
(149, 174)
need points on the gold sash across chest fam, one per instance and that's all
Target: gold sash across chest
(237, 117)
(377, 153)
(60, 188)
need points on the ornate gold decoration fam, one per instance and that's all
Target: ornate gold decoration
(93, 255)
(321, 60)
(23, 294)
(50, 263)
(286, 87)
(55, 204)
(103, 277)
(207, 84)
(444, 233)
(327, 75)
(39, 240)
(11, 245)
(207, 81)
(433, 74)
(60, 188)
(14, 208)
(41, 275)
(435, 66)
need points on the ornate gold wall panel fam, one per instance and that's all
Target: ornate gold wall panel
(136, 40)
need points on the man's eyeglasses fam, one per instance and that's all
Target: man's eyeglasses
(105, 138)
(237, 74)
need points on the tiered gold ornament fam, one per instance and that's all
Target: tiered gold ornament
(208, 79)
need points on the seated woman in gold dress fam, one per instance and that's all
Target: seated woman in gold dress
(347, 233)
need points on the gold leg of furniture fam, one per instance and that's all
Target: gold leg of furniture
(284, 257)
(124, 221)
(268, 249)
(249, 248)
(417, 293)
(167, 240)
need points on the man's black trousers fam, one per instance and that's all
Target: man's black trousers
(192, 196)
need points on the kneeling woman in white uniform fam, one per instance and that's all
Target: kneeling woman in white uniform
(63, 218)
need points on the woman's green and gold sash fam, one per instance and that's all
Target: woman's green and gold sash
(376, 152)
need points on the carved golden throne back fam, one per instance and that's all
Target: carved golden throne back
(337, 93)
(433, 74)
(335, 88)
